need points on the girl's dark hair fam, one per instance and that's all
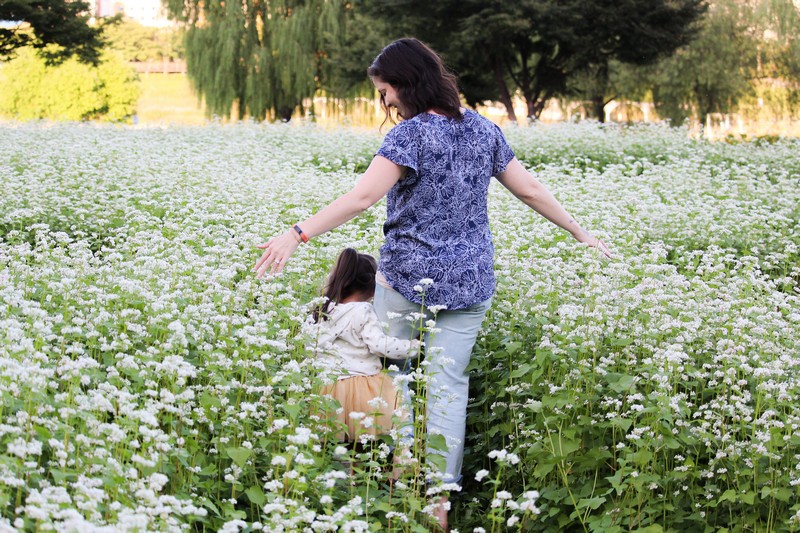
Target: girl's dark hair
(418, 74)
(353, 273)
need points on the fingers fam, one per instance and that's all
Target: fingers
(269, 260)
(603, 247)
(276, 252)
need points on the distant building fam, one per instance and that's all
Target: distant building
(145, 12)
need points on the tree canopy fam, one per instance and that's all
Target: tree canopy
(142, 43)
(538, 46)
(265, 57)
(58, 29)
(71, 90)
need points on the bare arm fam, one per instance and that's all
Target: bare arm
(530, 191)
(381, 176)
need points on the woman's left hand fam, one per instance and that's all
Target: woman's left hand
(276, 252)
(593, 242)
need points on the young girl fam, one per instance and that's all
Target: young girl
(349, 338)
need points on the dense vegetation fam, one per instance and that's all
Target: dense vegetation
(149, 381)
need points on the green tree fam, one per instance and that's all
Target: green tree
(58, 29)
(31, 89)
(632, 32)
(711, 74)
(142, 43)
(538, 46)
(265, 57)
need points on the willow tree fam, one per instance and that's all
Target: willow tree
(265, 56)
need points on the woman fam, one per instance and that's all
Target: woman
(435, 166)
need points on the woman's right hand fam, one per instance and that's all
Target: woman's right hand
(276, 252)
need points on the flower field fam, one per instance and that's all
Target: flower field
(150, 382)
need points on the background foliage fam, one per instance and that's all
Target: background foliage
(58, 29)
(73, 91)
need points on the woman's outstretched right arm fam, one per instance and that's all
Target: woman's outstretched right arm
(381, 176)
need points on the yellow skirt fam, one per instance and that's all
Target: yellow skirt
(375, 396)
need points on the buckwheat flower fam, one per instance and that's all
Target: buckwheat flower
(512, 521)
(426, 282)
(377, 402)
(400, 516)
(478, 530)
(302, 436)
(357, 415)
(481, 474)
(340, 450)
(442, 487)
(436, 308)
(355, 526)
(303, 460)
(504, 495)
(278, 460)
(418, 288)
(326, 500)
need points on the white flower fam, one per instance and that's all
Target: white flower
(480, 474)
(340, 450)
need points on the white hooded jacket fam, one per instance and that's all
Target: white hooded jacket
(352, 340)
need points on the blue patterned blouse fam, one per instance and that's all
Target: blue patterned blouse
(437, 225)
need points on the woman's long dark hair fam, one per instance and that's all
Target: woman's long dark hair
(418, 74)
(353, 273)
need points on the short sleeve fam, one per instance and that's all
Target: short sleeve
(503, 154)
(401, 145)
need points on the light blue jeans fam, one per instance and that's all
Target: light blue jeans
(448, 390)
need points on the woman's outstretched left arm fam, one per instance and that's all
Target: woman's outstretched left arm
(530, 191)
(381, 175)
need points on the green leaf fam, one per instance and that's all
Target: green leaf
(521, 370)
(619, 342)
(239, 455)
(622, 423)
(437, 442)
(205, 502)
(542, 469)
(256, 495)
(653, 528)
(232, 513)
(781, 494)
(513, 347)
(620, 382)
(563, 447)
(591, 503)
(727, 496)
(60, 476)
(207, 400)
(292, 410)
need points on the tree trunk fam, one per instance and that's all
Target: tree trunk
(599, 96)
(505, 96)
(535, 107)
(285, 113)
(598, 107)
